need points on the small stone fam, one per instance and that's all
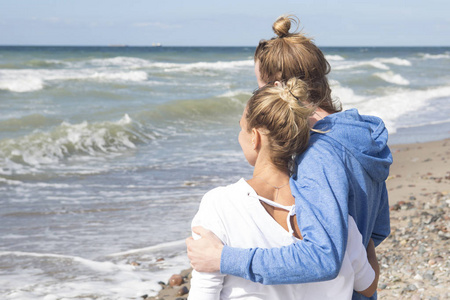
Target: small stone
(439, 259)
(428, 275)
(185, 273)
(382, 286)
(394, 207)
(182, 291)
(411, 287)
(176, 280)
(160, 259)
(144, 296)
(161, 283)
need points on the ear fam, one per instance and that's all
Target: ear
(277, 83)
(256, 139)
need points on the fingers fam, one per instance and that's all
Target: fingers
(188, 241)
(200, 230)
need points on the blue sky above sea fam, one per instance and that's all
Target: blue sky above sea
(221, 23)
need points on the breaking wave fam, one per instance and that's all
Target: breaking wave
(391, 77)
(68, 141)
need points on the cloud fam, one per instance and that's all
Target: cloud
(158, 25)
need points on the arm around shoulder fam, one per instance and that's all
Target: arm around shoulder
(321, 198)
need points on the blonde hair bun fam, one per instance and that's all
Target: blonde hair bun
(282, 25)
(281, 115)
(295, 91)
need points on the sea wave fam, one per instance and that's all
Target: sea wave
(30, 80)
(344, 94)
(46, 63)
(426, 56)
(361, 64)
(392, 77)
(104, 266)
(88, 278)
(198, 110)
(108, 278)
(219, 65)
(119, 61)
(377, 63)
(391, 108)
(140, 63)
(71, 140)
(169, 246)
(394, 61)
(21, 84)
(334, 57)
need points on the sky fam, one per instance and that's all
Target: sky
(222, 23)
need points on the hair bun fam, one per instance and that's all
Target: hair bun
(282, 25)
(295, 90)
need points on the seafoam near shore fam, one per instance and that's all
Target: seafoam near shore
(415, 258)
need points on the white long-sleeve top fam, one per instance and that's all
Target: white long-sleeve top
(234, 213)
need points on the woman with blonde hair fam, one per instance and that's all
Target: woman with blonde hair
(342, 173)
(260, 212)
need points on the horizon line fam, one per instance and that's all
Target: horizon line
(212, 46)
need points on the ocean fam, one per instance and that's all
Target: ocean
(105, 152)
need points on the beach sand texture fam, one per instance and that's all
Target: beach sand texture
(415, 258)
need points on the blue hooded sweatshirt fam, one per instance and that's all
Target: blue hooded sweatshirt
(342, 172)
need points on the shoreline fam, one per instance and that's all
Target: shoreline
(420, 134)
(415, 258)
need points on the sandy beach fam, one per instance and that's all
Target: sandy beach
(415, 258)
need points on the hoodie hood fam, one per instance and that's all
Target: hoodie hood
(364, 137)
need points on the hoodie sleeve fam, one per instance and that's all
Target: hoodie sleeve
(321, 194)
(382, 227)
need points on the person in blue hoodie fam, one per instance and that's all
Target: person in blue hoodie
(342, 173)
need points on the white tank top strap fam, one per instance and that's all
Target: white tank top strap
(289, 208)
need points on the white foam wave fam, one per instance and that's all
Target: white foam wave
(104, 266)
(120, 61)
(391, 77)
(427, 123)
(234, 93)
(344, 94)
(70, 140)
(395, 105)
(426, 56)
(394, 61)
(219, 65)
(28, 80)
(377, 63)
(180, 244)
(87, 279)
(351, 65)
(21, 84)
(334, 58)
(120, 76)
